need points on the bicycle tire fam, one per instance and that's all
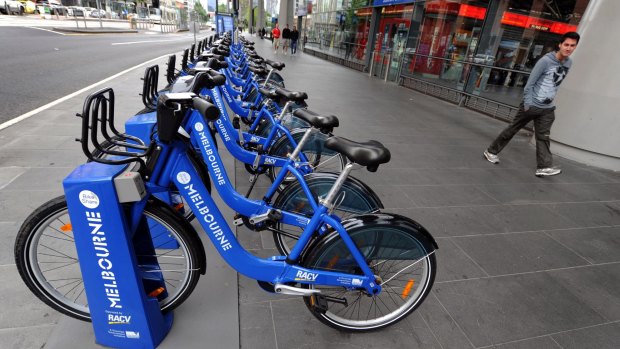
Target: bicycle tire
(319, 157)
(358, 199)
(34, 250)
(392, 247)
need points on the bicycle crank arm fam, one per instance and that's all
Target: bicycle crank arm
(294, 291)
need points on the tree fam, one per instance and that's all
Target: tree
(204, 16)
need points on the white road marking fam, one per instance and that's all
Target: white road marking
(62, 99)
(47, 30)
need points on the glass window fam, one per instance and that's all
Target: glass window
(488, 47)
(340, 28)
(448, 35)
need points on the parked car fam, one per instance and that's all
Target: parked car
(97, 13)
(77, 11)
(12, 7)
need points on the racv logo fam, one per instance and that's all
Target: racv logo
(305, 276)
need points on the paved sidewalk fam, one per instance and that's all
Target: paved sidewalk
(524, 262)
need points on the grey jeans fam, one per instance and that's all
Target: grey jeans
(543, 119)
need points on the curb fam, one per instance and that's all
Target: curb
(95, 30)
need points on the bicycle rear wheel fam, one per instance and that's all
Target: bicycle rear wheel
(47, 259)
(403, 265)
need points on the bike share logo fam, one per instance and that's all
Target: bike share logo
(199, 127)
(356, 282)
(89, 199)
(183, 177)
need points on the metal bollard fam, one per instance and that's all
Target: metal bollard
(372, 63)
(387, 68)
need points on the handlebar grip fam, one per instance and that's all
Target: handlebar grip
(206, 109)
(217, 78)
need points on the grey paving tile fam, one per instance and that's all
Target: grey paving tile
(534, 343)
(393, 196)
(597, 245)
(503, 309)
(40, 178)
(518, 218)
(8, 232)
(595, 286)
(598, 337)
(256, 326)
(456, 221)
(15, 206)
(297, 328)
(42, 158)
(20, 307)
(445, 329)
(35, 142)
(552, 192)
(589, 214)
(25, 337)
(517, 253)
(449, 195)
(9, 174)
(454, 264)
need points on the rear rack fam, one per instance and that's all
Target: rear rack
(171, 75)
(149, 87)
(97, 117)
(184, 66)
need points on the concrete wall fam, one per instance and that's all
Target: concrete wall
(587, 124)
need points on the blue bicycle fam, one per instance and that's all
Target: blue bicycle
(360, 274)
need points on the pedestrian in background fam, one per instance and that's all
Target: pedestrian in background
(294, 39)
(275, 34)
(537, 105)
(286, 39)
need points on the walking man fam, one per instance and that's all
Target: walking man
(275, 34)
(286, 37)
(294, 39)
(537, 105)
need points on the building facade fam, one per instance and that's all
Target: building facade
(477, 53)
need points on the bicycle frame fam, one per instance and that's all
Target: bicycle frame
(173, 165)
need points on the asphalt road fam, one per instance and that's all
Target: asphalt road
(38, 66)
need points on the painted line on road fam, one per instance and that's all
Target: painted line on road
(47, 30)
(62, 99)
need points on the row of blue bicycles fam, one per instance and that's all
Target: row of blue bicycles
(356, 267)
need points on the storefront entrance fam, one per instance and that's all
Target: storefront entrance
(391, 40)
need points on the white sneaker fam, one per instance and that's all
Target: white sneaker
(491, 157)
(549, 171)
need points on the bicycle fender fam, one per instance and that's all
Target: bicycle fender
(322, 177)
(393, 219)
(202, 256)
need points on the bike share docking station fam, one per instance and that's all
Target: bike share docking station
(121, 274)
(123, 313)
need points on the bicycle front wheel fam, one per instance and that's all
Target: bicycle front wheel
(47, 259)
(403, 265)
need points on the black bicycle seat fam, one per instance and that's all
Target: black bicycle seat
(292, 95)
(325, 123)
(370, 153)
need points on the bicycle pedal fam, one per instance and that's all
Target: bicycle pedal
(318, 303)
